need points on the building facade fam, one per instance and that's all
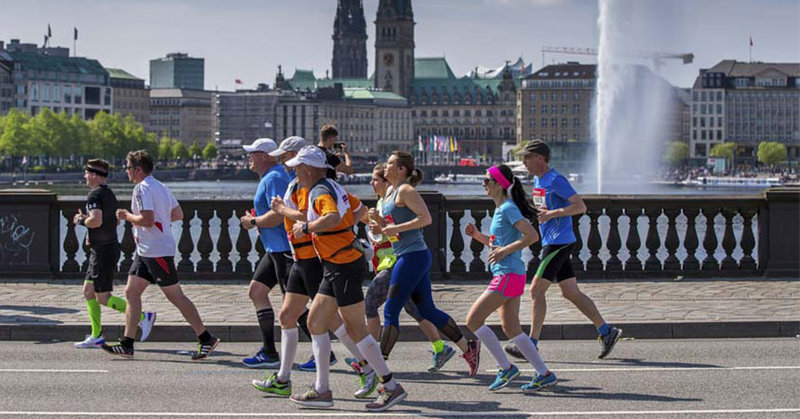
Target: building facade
(746, 103)
(349, 41)
(130, 97)
(245, 115)
(177, 71)
(394, 47)
(6, 88)
(182, 114)
(50, 78)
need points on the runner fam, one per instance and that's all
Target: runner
(378, 289)
(100, 219)
(153, 208)
(510, 233)
(273, 268)
(334, 151)
(403, 216)
(560, 202)
(331, 216)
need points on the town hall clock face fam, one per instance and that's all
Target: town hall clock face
(388, 59)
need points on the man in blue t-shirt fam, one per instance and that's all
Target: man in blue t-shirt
(557, 202)
(273, 268)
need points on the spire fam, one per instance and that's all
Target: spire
(395, 9)
(349, 40)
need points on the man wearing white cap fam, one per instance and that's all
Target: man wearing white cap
(331, 215)
(274, 266)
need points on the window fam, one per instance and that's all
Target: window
(703, 109)
(719, 96)
(544, 122)
(544, 109)
(700, 150)
(703, 135)
(703, 97)
(694, 109)
(695, 95)
(702, 122)
(719, 134)
(719, 109)
(78, 94)
(576, 95)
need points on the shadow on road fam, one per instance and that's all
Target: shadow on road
(33, 311)
(633, 362)
(574, 392)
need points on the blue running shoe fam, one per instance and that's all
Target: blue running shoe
(441, 358)
(504, 377)
(262, 360)
(311, 365)
(539, 382)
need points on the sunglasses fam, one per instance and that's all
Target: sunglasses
(486, 180)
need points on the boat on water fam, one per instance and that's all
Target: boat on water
(457, 179)
(732, 182)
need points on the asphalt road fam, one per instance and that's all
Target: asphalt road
(655, 378)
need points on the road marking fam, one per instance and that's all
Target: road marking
(59, 371)
(419, 414)
(649, 369)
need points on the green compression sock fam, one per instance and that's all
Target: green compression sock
(94, 315)
(120, 305)
(438, 346)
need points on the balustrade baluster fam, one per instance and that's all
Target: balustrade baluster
(243, 246)
(204, 244)
(594, 242)
(536, 251)
(70, 242)
(632, 242)
(748, 240)
(457, 242)
(477, 265)
(185, 244)
(671, 241)
(86, 249)
(690, 241)
(128, 247)
(577, 262)
(652, 241)
(729, 240)
(613, 243)
(710, 262)
(224, 245)
(260, 247)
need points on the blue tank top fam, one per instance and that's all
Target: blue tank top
(410, 241)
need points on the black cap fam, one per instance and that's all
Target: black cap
(536, 146)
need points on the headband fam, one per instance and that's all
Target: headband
(499, 178)
(96, 171)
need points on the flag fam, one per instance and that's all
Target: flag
(452, 146)
(75, 35)
(419, 145)
(45, 41)
(49, 32)
(238, 81)
(751, 41)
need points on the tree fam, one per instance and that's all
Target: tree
(179, 150)
(677, 152)
(723, 150)
(15, 139)
(195, 150)
(771, 153)
(210, 151)
(165, 148)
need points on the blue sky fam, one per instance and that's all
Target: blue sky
(247, 39)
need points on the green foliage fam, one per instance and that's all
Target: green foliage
(771, 153)
(195, 150)
(165, 148)
(723, 150)
(59, 135)
(179, 150)
(677, 152)
(210, 151)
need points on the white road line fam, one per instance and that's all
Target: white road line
(58, 371)
(651, 369)
(420, 414)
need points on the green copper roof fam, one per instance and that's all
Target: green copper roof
(305, 80)
(57, 64)
(432, 68)
(360, 93)
(118, 73)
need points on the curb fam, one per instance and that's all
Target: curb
(410, 332)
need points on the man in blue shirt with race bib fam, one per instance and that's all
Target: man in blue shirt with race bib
(557, 202)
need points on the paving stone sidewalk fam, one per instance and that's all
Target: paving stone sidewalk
(648, 308)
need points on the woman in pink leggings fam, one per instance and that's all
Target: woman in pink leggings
(510, 232)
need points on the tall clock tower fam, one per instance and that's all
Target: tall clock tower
(394, 46)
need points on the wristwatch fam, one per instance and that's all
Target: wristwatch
(253, 221)
(305, 228)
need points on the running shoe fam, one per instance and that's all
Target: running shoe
(146, 324)
(311, 365)
(90, 342)
(539, 382)
(504, 378)
(118, 349)
(473, 356)
(608, 341)
(272, 385)
(439, 359)
(313, 399)
(368, 382)
(354, 364)
(205, 349)
(262, 360)
(387, 399)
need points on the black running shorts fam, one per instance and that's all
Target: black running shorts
(159, 271)
(273, 268)
(305, 277)
(102, 267)
(343, 281)
(556, 264)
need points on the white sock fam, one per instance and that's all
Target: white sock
(321, 345)
(525, 346)
(489, 340)
(351, 346)
(372, 352)
(289, 338)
